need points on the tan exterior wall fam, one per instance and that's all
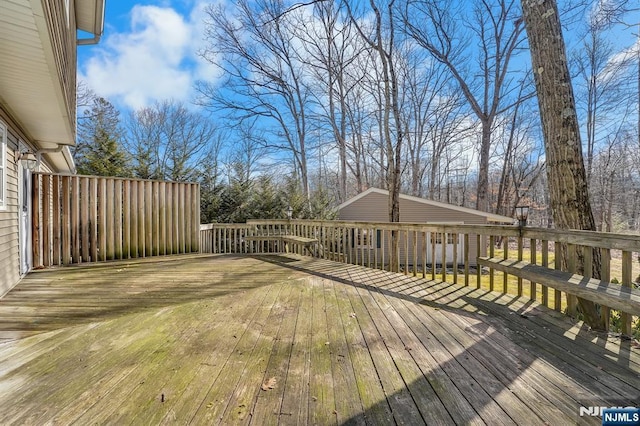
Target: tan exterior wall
(374, 208)
(9, 217)
(62, 31)
(9, 238)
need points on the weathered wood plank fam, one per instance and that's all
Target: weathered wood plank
(488, 345)
(142, 222)
(93, 217)
(612, 295)
(322, 408)
(75, 219)
(84, 219)
(371, 393)
(403, 408)
(349, 409)
(217, 342)
(250, 384)
(229, 377)
(57, 225)
(102, 219)
(148, 218)
(65, 215)
(416, 366)
(268, 403)
(110, 219)
(46, 220)
(294, 410)
(118, 225)
(125, 333)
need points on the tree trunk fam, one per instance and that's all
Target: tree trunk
(483, 172)
(570, 204)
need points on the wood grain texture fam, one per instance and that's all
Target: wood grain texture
(199, 338)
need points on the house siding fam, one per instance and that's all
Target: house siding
(9, 234)
(373, 207)
(61, 25)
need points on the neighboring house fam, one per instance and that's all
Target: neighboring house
(38, 40)
(372, 206)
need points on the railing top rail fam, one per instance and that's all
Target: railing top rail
(208, 226)
(113, 178)
(605, 240)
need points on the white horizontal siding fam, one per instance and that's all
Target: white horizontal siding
(9, 234)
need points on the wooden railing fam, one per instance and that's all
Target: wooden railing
(523, 262)
(79, 219)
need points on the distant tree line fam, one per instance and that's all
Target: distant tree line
(167, 141)
(432, 98)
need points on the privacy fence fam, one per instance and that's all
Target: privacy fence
(79, 219)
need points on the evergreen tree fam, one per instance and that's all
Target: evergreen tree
(267, 202)
(99, 150)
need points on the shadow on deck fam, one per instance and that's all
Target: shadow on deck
(268, 339)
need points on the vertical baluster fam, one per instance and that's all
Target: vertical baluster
(466, 259)
(605, 311)
(572, 300)
(532, 285)
(492, 244)
(625, 318)
(520, 257)
(545, 263)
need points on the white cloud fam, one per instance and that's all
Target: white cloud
(618, 62)
(155, 59)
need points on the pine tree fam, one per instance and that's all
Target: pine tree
(99, 150)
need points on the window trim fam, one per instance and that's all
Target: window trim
(3, 166)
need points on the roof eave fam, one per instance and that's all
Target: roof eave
(90, 19)
(491, 217)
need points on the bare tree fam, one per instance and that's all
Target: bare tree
(432, 118)
(332, 50)
(435, 25)
(381, 38)
(601, 82)
(167, 141)
(256, 49)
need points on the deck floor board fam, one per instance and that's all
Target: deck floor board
(210, 339)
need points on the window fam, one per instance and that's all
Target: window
(365, 239)
(437, 238)
(3, 166)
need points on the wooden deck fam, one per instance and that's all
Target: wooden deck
(269, 339)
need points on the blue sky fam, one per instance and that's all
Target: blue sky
(148, 52)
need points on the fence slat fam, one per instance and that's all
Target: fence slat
(118, 219)
(66, 221)
(92, 218)
(110, 220)
(57, 229)
(76, 219)
(46, 221)
(84, 219)
(102, 219)
(35, 223)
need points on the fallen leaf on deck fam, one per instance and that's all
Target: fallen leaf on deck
(269, 384)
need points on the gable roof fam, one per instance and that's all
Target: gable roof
(491, 217)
